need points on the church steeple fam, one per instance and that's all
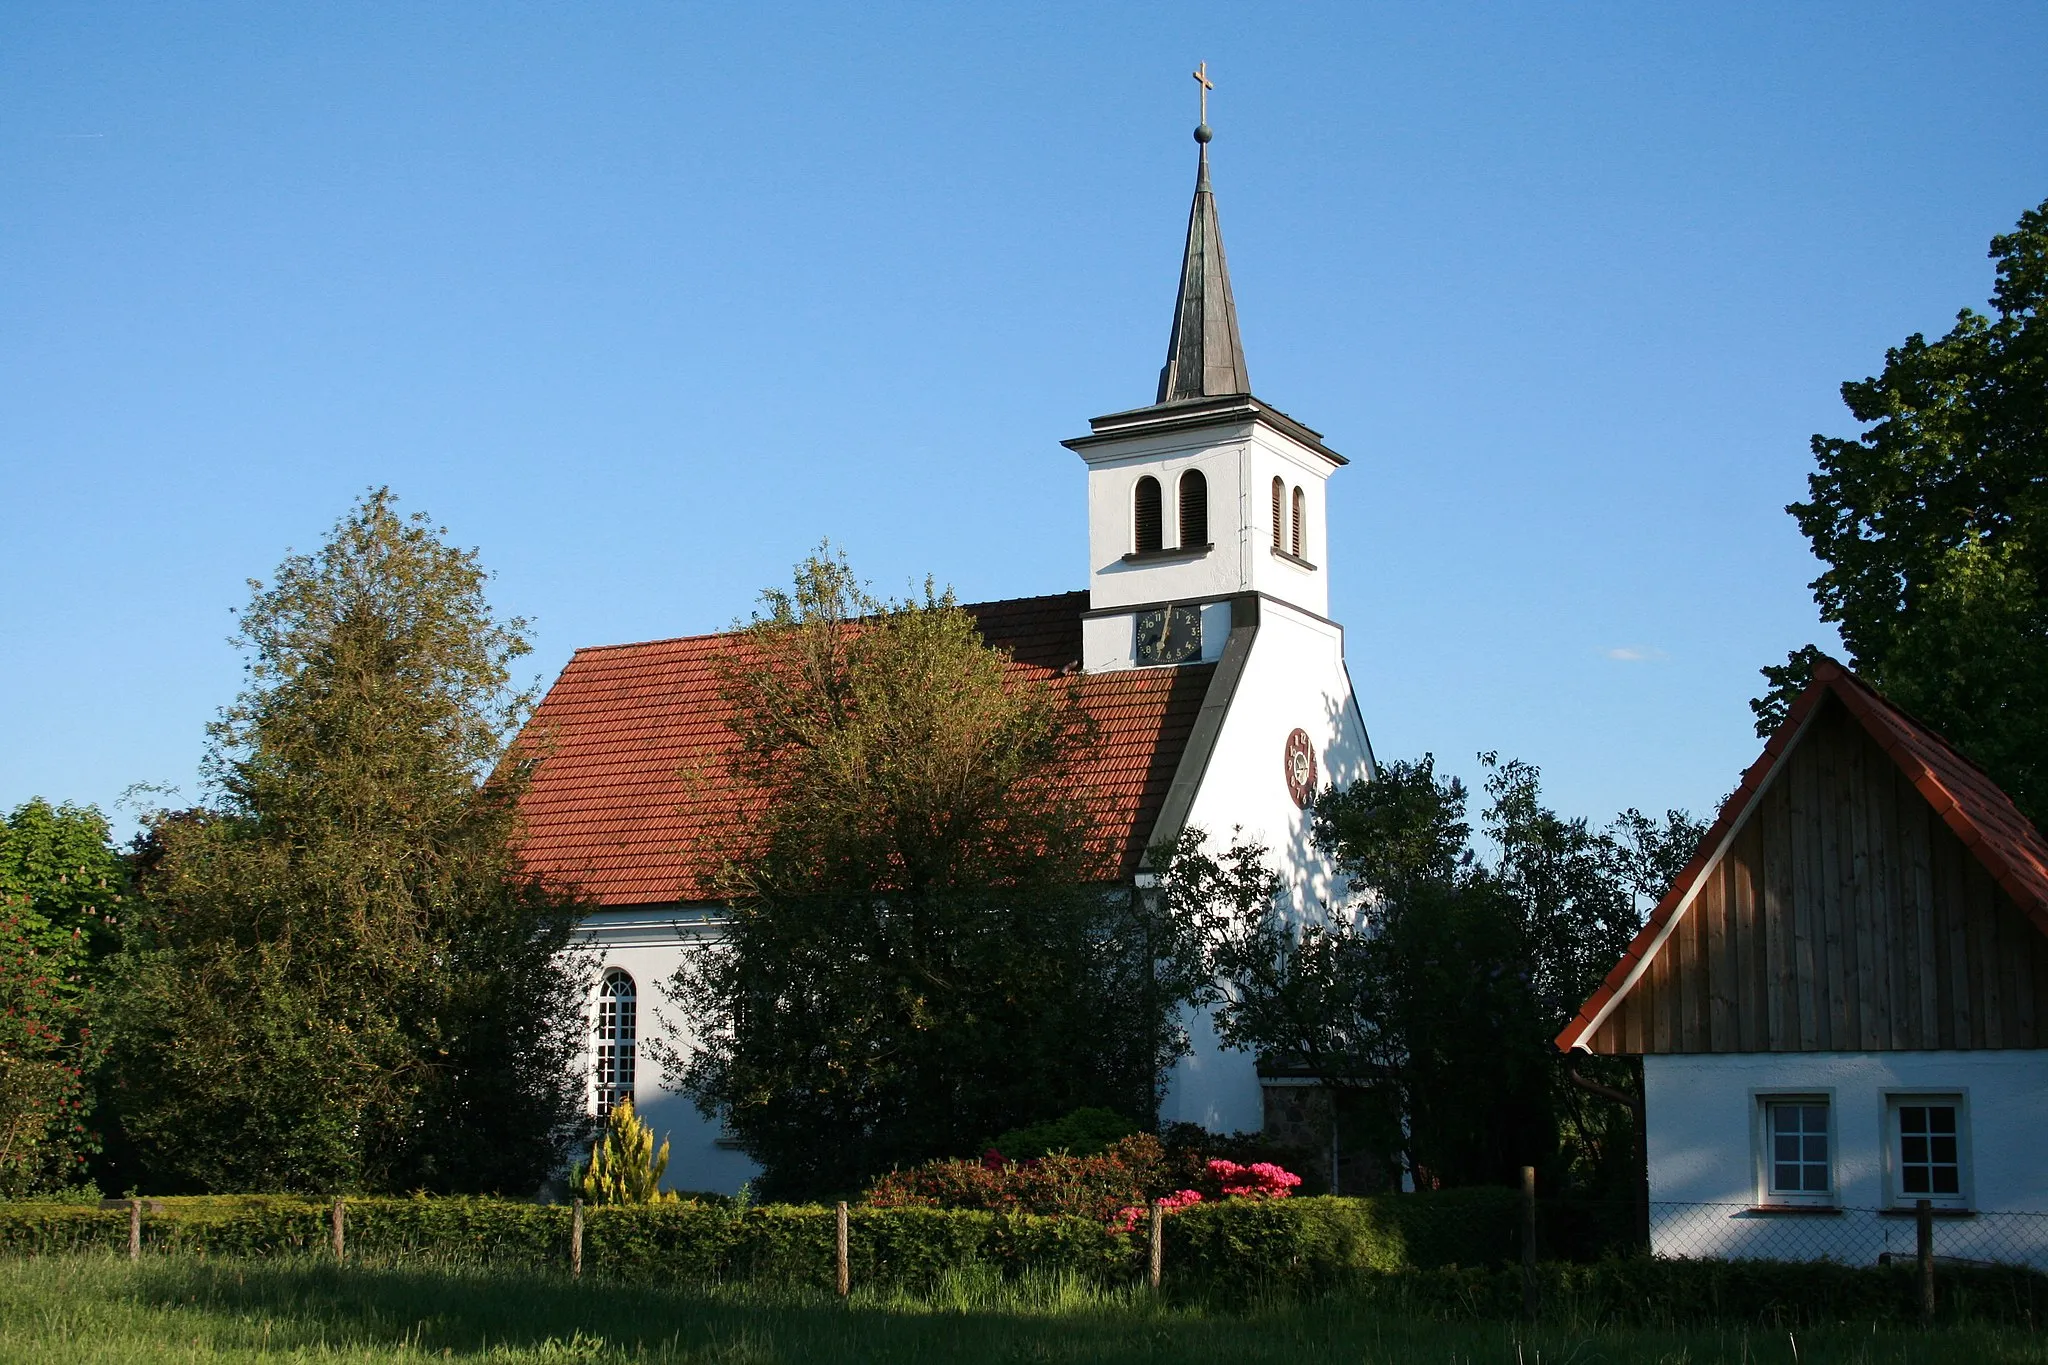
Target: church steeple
(1204, 356)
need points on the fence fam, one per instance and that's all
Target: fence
(1850, 1236)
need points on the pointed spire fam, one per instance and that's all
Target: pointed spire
(1204, 357)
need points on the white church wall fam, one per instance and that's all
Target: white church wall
(1294, 678)
(649, 945)
(1110, 642)
(1270, 455)
(1112, 490)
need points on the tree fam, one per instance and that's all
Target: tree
(60, 872)
(1436, 996)
(340, 976)
(1934, 526)
(915, 959)
(61, 886)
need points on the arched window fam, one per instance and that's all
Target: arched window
(1194, 510)
(1149, 522)
(615, 1043)
(1279, 514)
(1300, 531)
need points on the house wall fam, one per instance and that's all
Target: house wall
(1704, 1145)
(1294, 677)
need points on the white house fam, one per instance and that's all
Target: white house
(1842, 1004)
(1205, 653)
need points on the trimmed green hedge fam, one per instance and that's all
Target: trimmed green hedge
(662, 1243)
(1446, 1254)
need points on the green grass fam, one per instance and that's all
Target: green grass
(95, 1308)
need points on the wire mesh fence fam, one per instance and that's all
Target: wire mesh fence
(1851, 1236)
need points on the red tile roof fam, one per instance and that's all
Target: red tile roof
(634, 800)
(2011, 849)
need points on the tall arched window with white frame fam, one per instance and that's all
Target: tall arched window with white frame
(1300, 530)
(615, 1039)
(1279, 514)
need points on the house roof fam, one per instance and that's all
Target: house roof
(1979, 813)
(634, 800)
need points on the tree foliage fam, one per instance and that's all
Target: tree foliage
(1933, 523)
(1433, 992)
(915, 959)
(61, 885)
(340, 977)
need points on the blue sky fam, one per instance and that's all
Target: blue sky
(645, 299)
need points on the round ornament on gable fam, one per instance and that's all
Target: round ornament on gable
(1301, 768)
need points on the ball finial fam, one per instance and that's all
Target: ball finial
(1202, 133)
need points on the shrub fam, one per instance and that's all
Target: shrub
(1085, 1132)
(624, 1166)
(1133, 1170)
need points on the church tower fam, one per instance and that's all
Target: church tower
(1206, 494)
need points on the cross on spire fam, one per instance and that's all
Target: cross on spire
(1201, 75)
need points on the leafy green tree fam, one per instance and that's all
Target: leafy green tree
(915, 958)
(1934, 526)
(1435, 997)
(60, 873)
(61, 886)
(340, 977)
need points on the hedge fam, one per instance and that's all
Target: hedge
(1445, 1254)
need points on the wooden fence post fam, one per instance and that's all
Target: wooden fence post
(1156, 1258)
(1923, 1227)
(844, 1276)
(1529, 1243)
(340, 1223)
(135, 1229)
(576, 1237)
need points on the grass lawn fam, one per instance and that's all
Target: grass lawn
(93, 1309)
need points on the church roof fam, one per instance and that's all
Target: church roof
(634, 800)
(1972, 807)
(1204, 355)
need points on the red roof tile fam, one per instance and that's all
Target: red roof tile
(2011, 849)
(634, 800)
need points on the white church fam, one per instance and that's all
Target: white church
(1205, 653)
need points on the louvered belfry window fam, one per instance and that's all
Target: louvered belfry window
(1194, 509)
(616, 1039)
(1279, 514)
(1300, 533)
(1149, 521)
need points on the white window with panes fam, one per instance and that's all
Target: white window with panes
(1796, 1150)
(1927, 1150)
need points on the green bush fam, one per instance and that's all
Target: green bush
(1085, 1132)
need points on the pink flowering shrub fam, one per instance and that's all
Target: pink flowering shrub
(1114, 1188)
(1260, 1180)
(1128, 1217)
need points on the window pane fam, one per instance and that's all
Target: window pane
(1914, 1179)
(1941, 1119)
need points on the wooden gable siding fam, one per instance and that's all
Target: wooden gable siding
(1845, 916)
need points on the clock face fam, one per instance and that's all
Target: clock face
(1300, 760)
(1169, 635)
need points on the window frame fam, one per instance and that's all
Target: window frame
(1760, 1105)
(1279, 515)
(1895, 1196)
(1298, 544)
(624, 1041)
